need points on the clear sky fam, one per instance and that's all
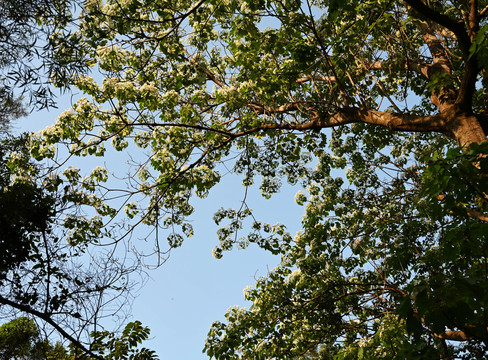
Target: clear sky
(192, 289)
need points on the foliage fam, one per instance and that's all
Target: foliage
(22, 224)
(27, 55)
(65, 288)
(20, 339)
(377, 109)
(10, 109)
(125, 346)
(30, 216)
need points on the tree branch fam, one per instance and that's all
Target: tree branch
(468, 84)
(484, 12)
(45, 317)
(445, 21)
(473, 19)
(418, 67)
(440, 60)
(398, 122)
(453, 335)
(204, 70)
(261, 109)
(477, 215)
(393, 121)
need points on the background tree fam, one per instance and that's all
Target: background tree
(66, 287)
(377, 108)
(20, 339)
(27, 55)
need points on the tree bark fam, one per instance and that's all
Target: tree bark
(467, 129)
(464, 127)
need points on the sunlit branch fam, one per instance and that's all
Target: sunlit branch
(392, 121)
(477, 215)
(484, 12)
(454, 335)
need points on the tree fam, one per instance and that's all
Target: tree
(377, 108)
(20, 339)
(27, 56)
(67, 287)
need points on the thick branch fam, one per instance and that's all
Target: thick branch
(471, 70)
(477, 215)
(453, 335)
(468, 84)
(397, 122)
(440, 59)
(473, 19)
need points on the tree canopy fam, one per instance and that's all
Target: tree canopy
(378, 109)
(21, 339)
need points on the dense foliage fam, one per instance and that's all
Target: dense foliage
(20, 339)
(378, 109)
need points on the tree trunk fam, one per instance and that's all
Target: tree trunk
(464, 127)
